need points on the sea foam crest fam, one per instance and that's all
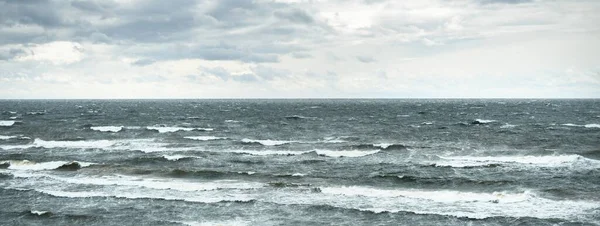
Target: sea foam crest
(478, 205)
(112, 129)
(348, 153)
(592, 125)
(73, 144)
(543, 161)
(2, 137)
(6, 123)
(205, 138)
(267, 142)
(166, 129)
(151, 183)
(483, 121)
(30, 165)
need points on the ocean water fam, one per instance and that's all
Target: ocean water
(300, 162)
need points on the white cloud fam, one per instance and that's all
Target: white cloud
(55, 52)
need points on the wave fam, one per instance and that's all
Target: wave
(41, 213)
(150, 182)
(441, 181)
(166, 129)
(205, 138)
(333, 140)
(178, 157)
(266, 142)
(267, 152)
(2, 137)
(73, 144)
(475, 205)
(507, 126)
(538, 161)
(593, 125)
(298, 117)
(113, 129)
(349, 153)
(54, 165)
(7, 123)
(144, 145)
(482, 121)
(381, 146)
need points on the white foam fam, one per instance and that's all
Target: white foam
(484, 121)
(456, 203)
(592, 126)
(112, 129)
(298, 175)
(205, 138)
(73, 144)
(151, 183)
(7, 123)
(351, 153)
(543, 161)
(39, 213)
(444, 196)
(29, 165)
(177, 157)
(507, 126)
(382, 145)
(165, 129)
(267, 142)
(477, 205)
(267, 152)
(571, 124)
(333, 140)
(2, 137)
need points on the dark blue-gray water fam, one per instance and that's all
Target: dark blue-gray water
(300, 162)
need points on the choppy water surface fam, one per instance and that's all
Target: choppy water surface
(300, 162)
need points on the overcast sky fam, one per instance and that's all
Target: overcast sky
(299, 48)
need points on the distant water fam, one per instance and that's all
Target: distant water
(300, 162)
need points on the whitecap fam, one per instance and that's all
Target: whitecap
(205, 138)
(165, 129)
(7, 123)
(150, 182)
(30, 165)
(298, 175)
(177, 157)
(112, 129)
(267, 152)
(507, 126)
(592, 126)
(538, 161)
(39, 213)
(350, 153)
(483, 121)
(267, 142)
(2, 137)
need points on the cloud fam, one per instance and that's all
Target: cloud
(341, 48)
(55, 53)
(12, 53)
(365, 59)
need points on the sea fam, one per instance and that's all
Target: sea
(300, 162)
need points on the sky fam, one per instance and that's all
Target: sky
(299, 49)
